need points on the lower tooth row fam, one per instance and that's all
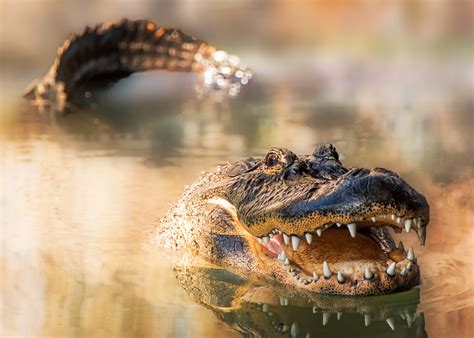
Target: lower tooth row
(341, 278)
(410, 255)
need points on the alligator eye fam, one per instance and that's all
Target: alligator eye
(272, 160)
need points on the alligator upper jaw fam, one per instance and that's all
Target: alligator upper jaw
(382, 220)
(338, 261)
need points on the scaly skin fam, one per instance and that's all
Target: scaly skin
(229, 215)
(106, 53)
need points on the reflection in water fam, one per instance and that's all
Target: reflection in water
(262, 311)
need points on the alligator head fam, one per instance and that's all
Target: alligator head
(303, 221)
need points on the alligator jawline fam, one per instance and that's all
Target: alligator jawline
(332, 255)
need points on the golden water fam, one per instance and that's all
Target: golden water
(80, 196)
(81, 193)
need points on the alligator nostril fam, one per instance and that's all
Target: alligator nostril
(327, 151)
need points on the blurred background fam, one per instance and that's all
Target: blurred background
(389, 83)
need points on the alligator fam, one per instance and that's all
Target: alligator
(94, 60)
(305, 222)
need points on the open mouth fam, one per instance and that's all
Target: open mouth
(358, 257)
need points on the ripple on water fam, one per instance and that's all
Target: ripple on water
(447, 284)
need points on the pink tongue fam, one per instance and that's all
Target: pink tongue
(275, 244)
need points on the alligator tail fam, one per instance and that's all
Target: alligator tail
(106, 53)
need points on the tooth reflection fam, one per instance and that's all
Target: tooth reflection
(326, 316)
(391, 322)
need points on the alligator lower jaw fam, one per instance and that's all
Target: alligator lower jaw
(336, 261)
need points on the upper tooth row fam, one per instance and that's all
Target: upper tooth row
(352, 227)
(295, 241)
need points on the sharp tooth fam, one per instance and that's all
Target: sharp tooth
(326, 316)
(265, 240)
(422, 235)
(368, 274)
(338, 225)
(393, 217)
(308, 335)
(309, 237)
(315, 309)
(401, 247)
(352, 229)
(411, 254)
(315, 277)
(259, 240)
(270, 236)
(391, 322)
(265, 307)
(373, 219)
(286, 239)
(287, 261)
(286, 301)
(279, 256)
(339, 315)
(367, 319)
(408, 223)
(326, 271)
(285, 328)
(295, 330)
(409, 266)
(340, 278)
(391, 269)
(399, 219)
(409, 320)
(402, 272)
(295, 242)
(283, 255)
(319, 232)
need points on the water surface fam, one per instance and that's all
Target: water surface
(82, 193)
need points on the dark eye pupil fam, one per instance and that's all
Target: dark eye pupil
(272, 160)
